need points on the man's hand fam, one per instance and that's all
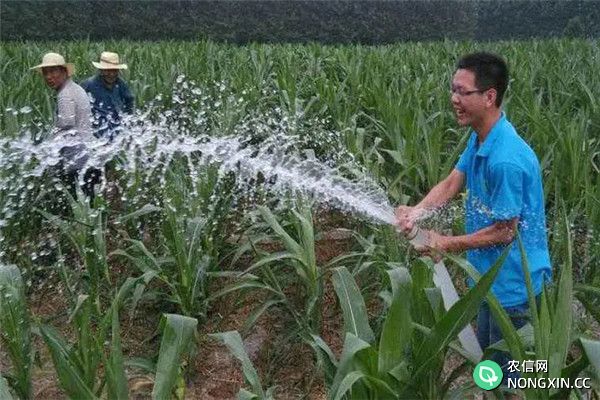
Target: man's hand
(435, 247)
(406, 217)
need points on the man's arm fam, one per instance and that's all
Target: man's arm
(127, 98)
(441, 193)
(65, 110)
(437, 197)
(499, 233)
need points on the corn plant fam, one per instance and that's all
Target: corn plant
(78, 365)
(406, 360)
(185, 270)
(549, 336)
(393, 109)
(191, 231)
(15, 331)
(233, 341)
(298, 254)
(85, 229)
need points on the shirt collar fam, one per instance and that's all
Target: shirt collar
(64, 85)
(486, 147)
(100, 82)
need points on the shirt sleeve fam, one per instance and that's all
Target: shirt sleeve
(127, 98)
(506, 191)
(462, 163)
(65, 113)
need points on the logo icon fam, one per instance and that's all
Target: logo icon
(487, 375)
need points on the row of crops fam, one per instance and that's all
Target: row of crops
(177, 251)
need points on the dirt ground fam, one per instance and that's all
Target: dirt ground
(213, 374)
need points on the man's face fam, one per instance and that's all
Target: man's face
(109, 76)
(469, 102)
(54, 76)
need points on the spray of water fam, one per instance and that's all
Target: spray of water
(270, 148)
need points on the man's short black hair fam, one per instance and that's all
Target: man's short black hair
(61, 67)
(490, 72)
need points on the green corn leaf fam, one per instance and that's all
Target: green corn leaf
(178, 249)
(141, 363)
(425, 312)
(177, 338)
(592, 291)
(116, 379)
(560, 339)
(244, 247)
(320, 343)
(352, 345)
(543, 343)
(99, 246)
(397, 329)
(244, 394)
(356, 319)
(146, 209)
(233, 341)
(288, 242)
(257, 312)
(69, 375)
(141, 247)
(526, 334)
(308, 239)
(272, 258)
(436, 301)
(326, 359)
(245, 284)
(15, 328)
(533, 309)
(79, 304)
(590, 306)
(591, 349)
(347, 383)
(459, 315)
(344, 257)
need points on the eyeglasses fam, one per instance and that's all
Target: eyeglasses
(464, 93)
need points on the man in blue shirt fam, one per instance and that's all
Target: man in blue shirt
(110, 95)
(504, 194)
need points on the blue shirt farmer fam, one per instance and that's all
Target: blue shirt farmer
(108, 104)
(503, 181)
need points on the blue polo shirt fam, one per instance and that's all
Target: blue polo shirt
(504, 181)
(108, 105)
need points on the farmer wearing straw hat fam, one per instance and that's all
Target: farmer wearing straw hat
(72, 118)
(73, 114)
(110, 95)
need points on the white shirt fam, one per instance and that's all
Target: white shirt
(73, 125)
(73, 111)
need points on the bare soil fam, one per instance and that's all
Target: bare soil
(213, 374)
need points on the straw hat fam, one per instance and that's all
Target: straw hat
(109, 60)
(54, 60)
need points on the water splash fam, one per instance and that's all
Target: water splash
(272, 148)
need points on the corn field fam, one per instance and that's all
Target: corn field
(139, 295)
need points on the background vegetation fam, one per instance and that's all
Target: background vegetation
(366, 22)
(183, 261)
